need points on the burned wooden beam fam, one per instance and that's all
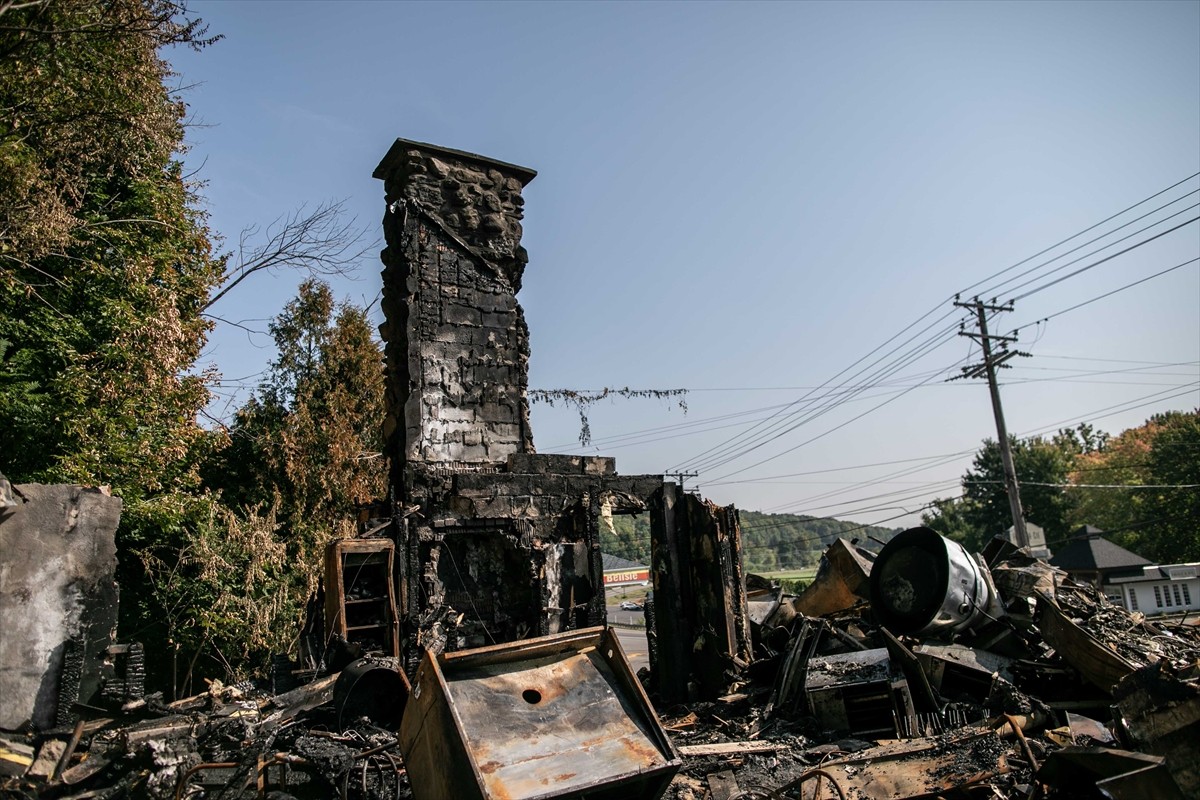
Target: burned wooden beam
(702, 626)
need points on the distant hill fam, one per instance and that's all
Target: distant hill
(770, 542)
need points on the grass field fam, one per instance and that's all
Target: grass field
(619, 593)
(806, 574)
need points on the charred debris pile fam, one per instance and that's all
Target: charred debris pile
(462, 650)
(920, 671)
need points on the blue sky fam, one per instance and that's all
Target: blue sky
(745, 199)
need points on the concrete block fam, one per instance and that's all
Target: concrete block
(58, 599)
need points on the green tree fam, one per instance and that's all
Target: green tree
(951, 518)
(1123, 461)
(105, 259)
(1158, 523)
(106, 265)
(107, 272)
(1171, 533)
(1042, 466)
(308, 446)
(629, 538)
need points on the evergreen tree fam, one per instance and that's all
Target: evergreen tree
(307, 448)
(105, 259)
(1042, 468)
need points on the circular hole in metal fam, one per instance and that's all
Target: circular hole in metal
(531, 696)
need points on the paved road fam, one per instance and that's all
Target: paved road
(633, 642)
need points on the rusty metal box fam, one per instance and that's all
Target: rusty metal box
(559, 716)
(859, 693)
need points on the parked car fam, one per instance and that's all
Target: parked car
(629, 605)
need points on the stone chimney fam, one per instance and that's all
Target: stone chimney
(457, 346)
(496, 543)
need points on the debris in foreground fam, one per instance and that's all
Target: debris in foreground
(853, 711)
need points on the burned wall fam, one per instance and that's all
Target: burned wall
(504, 555)
(457, 347)
(701, 625)
(58, 600)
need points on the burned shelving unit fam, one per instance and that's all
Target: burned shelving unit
(360, 601)
(860, 693)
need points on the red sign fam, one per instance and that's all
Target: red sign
(628, 576)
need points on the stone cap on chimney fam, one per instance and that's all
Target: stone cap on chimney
(395, 156)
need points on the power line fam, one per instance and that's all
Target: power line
(1118, 408)
(821, 435)
(1102, 485)
(643, 436)
(724, 454)
(1101, 261)
(1090, 416)
(1107, 294)
(996, 288)
(1088, 372)
(731, 443)
(839, 469)
(807, 501)
(787, 418)
(1122, 360)
(970, 288)
(931, 343)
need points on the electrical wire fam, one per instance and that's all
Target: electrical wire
(1108, 258)
(1091, 416)
(1077, 235)
(821, 435)
(774, 431)
(996, 288)
(1106, 294)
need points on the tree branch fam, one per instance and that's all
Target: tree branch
(323, 242)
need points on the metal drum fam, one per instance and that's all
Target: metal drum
(922, 583)
(375, 688)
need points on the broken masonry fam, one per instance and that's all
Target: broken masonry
(58, 605)
(494, 542)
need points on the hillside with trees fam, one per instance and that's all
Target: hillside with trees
(771, 542)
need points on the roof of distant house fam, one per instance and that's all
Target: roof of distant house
(617, 564)
(1089, 550)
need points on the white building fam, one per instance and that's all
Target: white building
(1163, 589)
(1126, 578)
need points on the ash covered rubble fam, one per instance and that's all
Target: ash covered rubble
(834, 705)
(462, 651)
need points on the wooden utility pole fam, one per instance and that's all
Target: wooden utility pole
(991, 361)
(681, 477)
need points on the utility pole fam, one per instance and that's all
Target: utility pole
(680, 476)
(991, 361)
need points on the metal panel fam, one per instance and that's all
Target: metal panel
(556, 717)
